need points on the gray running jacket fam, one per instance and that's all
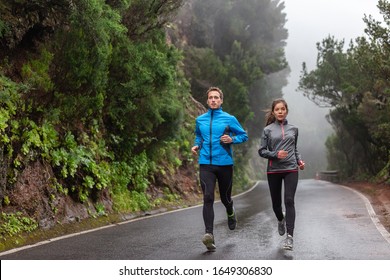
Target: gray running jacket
(280, 136)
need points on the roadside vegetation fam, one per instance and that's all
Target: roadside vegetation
(98, 101)
(354, 82)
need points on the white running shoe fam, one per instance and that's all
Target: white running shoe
(288, 243)
(208, 241)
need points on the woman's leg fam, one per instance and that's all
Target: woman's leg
(290, 187)
(275, 188)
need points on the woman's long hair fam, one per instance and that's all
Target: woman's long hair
(269, 116)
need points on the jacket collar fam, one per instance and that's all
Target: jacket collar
(219, 110)
(284, 122)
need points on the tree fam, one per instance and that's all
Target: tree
(355, 84)
(238, 46)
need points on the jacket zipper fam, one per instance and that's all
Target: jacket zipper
(211, 136)
(282, 126)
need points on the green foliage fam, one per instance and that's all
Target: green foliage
(169, 196)
(96, 102)
(355, 83)
(6, 201)
(336, 160)
(78, 161)
(25, 141)
(144, 17)
(131, 202)
(12, 117)
(82, 71)
(232, 36)
(100, 209)
(10, 101)
(58, 187)
(198, 59)
(93, 26)
(3, 28)
(235, 45)
(98, 94)
(129, 184)
(143, 104)
(36, 72)
(383, 176)
(16, 223)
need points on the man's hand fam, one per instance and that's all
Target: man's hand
(194, 150)
(226, 139)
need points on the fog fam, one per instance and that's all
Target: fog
(309, 22)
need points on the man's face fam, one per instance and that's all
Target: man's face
(214, 99)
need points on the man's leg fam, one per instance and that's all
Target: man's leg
(207, 182)
(225, 183)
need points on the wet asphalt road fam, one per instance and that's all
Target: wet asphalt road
(332, 222)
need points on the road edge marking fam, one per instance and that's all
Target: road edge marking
(371, 212)
(11, 251)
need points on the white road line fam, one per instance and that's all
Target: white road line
(108, 226)
(370, 210)
(372, 214)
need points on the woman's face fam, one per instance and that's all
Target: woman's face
(280, 111)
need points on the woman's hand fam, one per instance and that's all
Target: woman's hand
(282, 154)
(301, 164)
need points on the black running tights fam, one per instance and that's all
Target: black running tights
(290, 186)
(209, 175)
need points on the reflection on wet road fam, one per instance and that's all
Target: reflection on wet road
(332, 222)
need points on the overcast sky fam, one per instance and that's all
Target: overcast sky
(309, 22)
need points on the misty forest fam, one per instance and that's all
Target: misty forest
(98, 100)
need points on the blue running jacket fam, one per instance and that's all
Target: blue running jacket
(209, 128)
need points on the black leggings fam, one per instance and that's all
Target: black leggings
(290, 187)
(208, 175)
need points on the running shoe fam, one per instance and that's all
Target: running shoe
(232, 220)
(208, 241)
(288, 243)
(282, 227)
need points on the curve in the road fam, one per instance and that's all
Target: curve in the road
(372, 214)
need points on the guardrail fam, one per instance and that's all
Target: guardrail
(329, 175)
